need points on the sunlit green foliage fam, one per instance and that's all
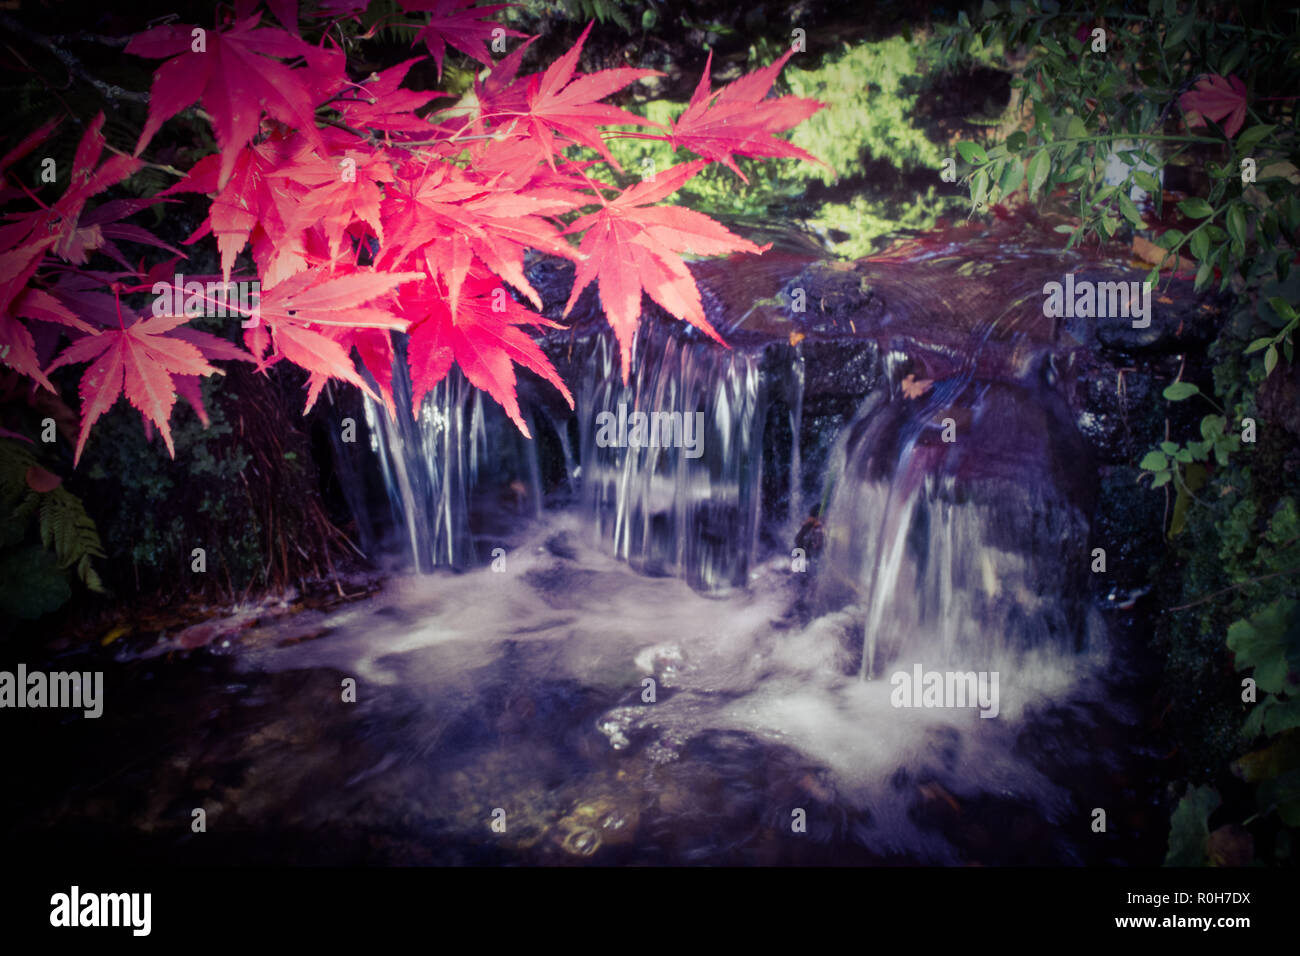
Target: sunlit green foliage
(871, 92)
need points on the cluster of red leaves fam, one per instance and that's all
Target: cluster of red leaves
(366, 216)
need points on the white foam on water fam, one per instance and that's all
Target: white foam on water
(720, 663)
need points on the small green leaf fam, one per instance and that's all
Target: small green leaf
(1162, 478)
(972, 153)
(1130, 211)
(1270, 360)
(1258, 344)
(1199, 244)
(1177, 391)
(1234, 57)
(1283, 308)
(1195, 208)
(1146, 181)
(1237, 224)
(979, 188)
(1179, 33)
(1012, 177)
(1252, 137)
(1168, 447)
(1039, 167)
(1154, 461)
(1043, 120)
(1189, 827)
(1203, 275)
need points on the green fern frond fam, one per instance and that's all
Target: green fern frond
(601, 10)
(67, 529)
(15, 459)
(26, 507)
(89, 577)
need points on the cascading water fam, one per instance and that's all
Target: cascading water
(955, 524)
(429, 465)
(960, 551)
(955, 511)
(690, 512)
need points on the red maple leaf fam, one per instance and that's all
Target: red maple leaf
(336, 191)
(375, 349)
(77, 235)
(559, 103)
(138, 360)
(632, 247)
(498, 92)
(251, 205)
(317, 297)
(17, 348)
(1214, 97)
(382, 104)
(483, 337)
(460, 24)
(335, 301)
(236, 75)
(447, 217)
(738, 121)
(211, 347)
(286, 11)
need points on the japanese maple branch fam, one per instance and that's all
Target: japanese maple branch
(110, 91)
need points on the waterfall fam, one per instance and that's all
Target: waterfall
(955, 511)
(673, 510)
(659, 508)
(951, 528)
(428, 466)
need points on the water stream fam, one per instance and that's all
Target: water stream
(615, 651)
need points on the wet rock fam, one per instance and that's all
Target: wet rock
(1177, 324)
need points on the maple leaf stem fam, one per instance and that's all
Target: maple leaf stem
(445, 141)
(161, 167)
(369, 138)
(30, 195)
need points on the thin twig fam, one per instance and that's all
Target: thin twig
(1233, 587)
